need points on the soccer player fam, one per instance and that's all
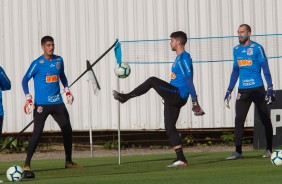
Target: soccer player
(175, 93)
(249, 59)
(5, 84)
(47, 71)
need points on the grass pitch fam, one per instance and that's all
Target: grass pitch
(204, 167)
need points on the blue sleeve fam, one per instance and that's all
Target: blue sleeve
(29, 74)
(63, 77)
(266, 72)
(235, 72)
(5, 82)
(261, 54)
(264, 65)
(233, 78)
(191, 88)
(187, 69)
(235, 63)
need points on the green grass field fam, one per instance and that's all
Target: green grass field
(205, 167)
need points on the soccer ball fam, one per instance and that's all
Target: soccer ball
(14, 173)
(276, 157)
(122, 70)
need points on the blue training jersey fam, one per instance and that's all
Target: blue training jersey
(5, 84)
(249, 59)
(182, 69)
(46, 75)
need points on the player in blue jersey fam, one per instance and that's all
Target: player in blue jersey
(5, 84)
(175, 93)
(47, 71)
(249, 59)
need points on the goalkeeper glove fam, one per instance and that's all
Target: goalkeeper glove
(227, 98)
(29, 105)
(270, 95)
(69, 96)
(196, 108)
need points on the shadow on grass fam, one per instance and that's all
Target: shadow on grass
(225, 160)
(105, 165)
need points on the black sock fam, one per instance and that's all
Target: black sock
(239, 149)
(180, 155)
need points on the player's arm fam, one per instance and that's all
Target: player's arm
(64, 81)
(29, 105)
(264, 65)
(233, 80)
(270, 95)
(187, 70)
(5, 83)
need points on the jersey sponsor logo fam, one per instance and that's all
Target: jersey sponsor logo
(245, 62)
(172, 75)
(52, 78)
(54, 98)
(39, 109)
(58, 65)
(250, 51)
(248, 82)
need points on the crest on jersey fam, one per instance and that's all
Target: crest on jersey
(250, 51)
(58, 65)
(39, 109)
(41, 61)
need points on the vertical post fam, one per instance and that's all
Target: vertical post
(89, 124)
(119, 151)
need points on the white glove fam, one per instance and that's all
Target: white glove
(68, 95)
(198, 111)
(29, 105)
(227, 98)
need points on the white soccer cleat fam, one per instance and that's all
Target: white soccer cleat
(177, 163)
(234, 156)
(266, 154)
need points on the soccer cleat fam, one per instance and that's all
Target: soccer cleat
(120, 97)
(266, 154)
(28, 173)
(235, 155)
(177, 163)
(71, 165)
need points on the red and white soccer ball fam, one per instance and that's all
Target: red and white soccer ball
(276, 157)
(14, 173)
(122, 70)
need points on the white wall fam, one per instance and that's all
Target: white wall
(84, 29)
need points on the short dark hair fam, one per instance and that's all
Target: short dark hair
(180, 35)
(247, 27)
(46, 39)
